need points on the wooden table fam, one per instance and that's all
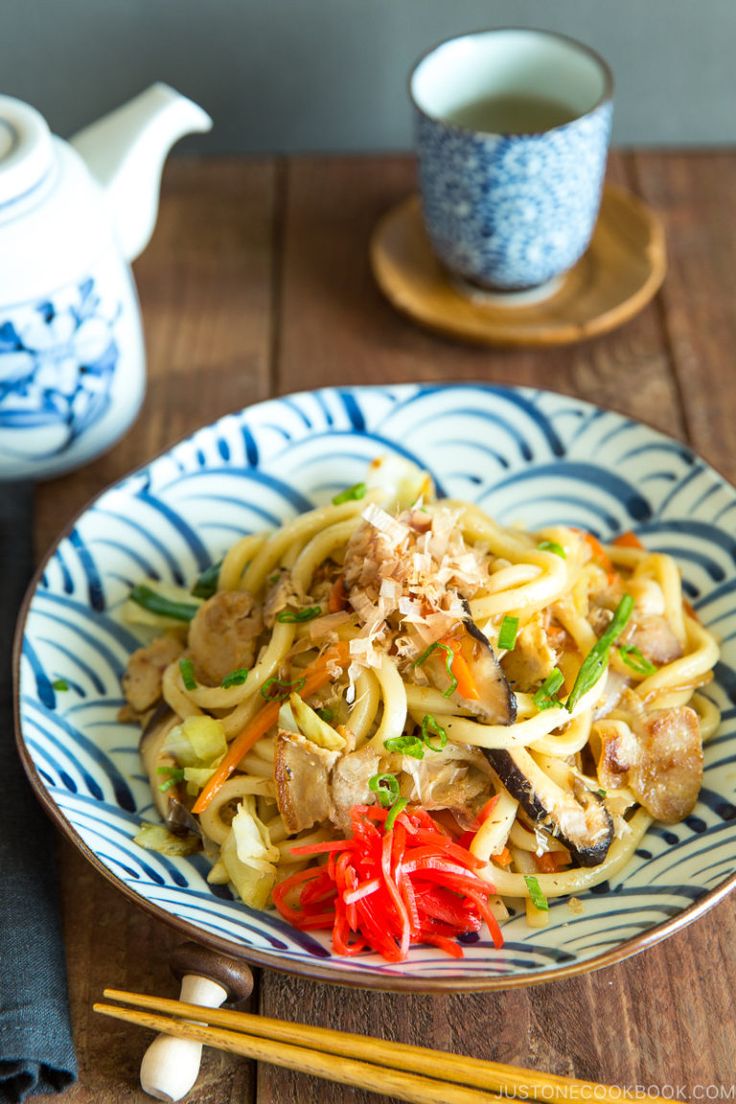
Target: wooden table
(256, 283)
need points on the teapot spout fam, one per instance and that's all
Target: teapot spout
(125, 151)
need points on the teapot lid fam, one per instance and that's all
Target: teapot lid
(26, 151)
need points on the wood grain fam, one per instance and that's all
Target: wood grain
(696, 195)
(617, 276)
(205, 284)
(258, 278)
(336, 327)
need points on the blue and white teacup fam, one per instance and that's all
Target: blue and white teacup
(510, 211)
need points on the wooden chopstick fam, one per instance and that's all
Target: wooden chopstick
(346, 1071)
(457, 1069)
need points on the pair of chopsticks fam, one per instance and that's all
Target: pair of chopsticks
(411, 1073)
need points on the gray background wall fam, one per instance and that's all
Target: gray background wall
(330, 74)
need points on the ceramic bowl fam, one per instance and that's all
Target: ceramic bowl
(528, 457)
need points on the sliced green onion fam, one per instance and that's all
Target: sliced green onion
(206, 584)
(358, 490)
(405, 745)
(187, 674)
(235, 678)
(552, 546)
(173, 776)
(156, 603)
(449, 660)
(325, 714)
(282, 688)
(636, 660)
(397, 807)
(535, 892)
(596, 660)
(385, 787)
(273, 579)
(507, 633)
(292, 617)
(545, 695)
(619, 620)
(60, 684)
(601, 793)
(431, 729)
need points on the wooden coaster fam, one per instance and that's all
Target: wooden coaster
(623, 268)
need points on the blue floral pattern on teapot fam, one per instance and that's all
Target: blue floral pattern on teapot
(57, 363)
(73, 215)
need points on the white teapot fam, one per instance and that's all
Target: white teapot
(72, 215)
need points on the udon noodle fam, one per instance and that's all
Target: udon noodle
(538, 694)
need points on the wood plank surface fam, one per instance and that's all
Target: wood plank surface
(256, 281)
(205, 284)
(335, 327)
(695, 193)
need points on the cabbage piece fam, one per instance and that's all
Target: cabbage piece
(252, 837)
(252, 886)
(207, 737)
(403, 482)
(311, 725)
(218, 874)
(197, 778)
(287, 720)
(197, 742)
(249, 856)
(154, 837)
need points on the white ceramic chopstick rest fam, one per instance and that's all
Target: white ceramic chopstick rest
(170, 1066)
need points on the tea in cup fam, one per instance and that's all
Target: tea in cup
(512, 133)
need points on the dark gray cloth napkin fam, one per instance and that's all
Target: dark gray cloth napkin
(36, 1049)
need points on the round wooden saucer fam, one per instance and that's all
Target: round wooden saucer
(623, 268)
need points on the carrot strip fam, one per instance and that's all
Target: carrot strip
(689, 610)
(338, 598)
(627, 540)
(598, 551)
(466, 687)
(599, 554)
(551, 861)
(502, 857)
(316, 675)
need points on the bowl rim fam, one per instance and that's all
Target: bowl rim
(314, 969)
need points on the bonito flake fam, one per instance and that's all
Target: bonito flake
(407, 578)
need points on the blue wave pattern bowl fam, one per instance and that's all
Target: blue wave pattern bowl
(511, 211)
(527, 457)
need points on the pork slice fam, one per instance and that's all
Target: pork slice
(655, 639)
(301, 772)
(454, 778)
(350, 783)
(222, 635)
(660, 760)
(142, 679)
(278, 596)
